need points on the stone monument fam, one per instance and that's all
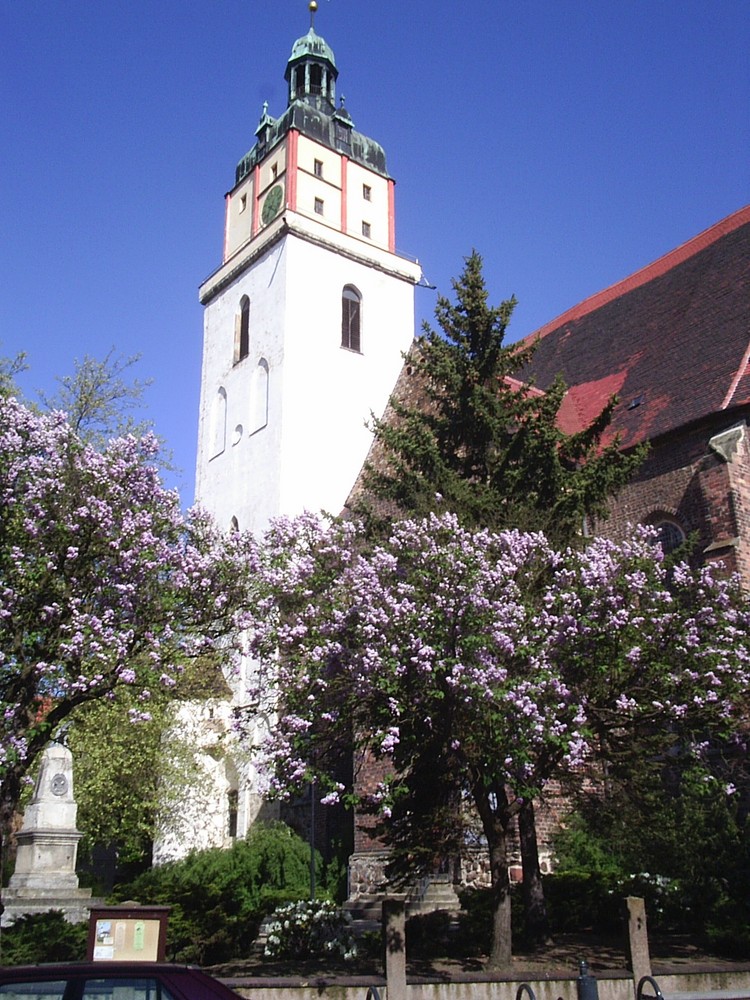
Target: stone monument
(45, 873)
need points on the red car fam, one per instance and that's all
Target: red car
(110, 981)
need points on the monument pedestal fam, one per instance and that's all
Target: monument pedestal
(45, 874)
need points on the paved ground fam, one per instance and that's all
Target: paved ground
(668, 954)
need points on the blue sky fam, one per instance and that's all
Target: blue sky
(569, 142)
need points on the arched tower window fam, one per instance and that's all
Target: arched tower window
(351, 318)
(242, 330)
(259, 397)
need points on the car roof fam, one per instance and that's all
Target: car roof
(174, 976)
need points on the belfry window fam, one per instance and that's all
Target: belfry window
(299, 81)
(316, 80)
(351, 318)
(242, 331)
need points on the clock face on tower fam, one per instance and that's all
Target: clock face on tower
(272, 204)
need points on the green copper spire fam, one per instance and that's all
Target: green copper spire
(311, 74)
(311, 70)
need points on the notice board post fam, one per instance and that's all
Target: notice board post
(128, 933)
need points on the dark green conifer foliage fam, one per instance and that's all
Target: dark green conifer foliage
(466, 432)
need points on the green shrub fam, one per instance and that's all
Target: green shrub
(579, 849)
(681, 847)
(310, 929)
(732, 941)
(475, 921)
(428, 934)
(474, 933)
(370, 944)
(219, 897)
(43, 937)
(577, 900)
(336, 874)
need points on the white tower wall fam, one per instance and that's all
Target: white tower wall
(284, 410)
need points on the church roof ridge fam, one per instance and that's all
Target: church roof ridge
(648, 273)
(671, 341)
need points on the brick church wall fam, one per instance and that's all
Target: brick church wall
(686, 480)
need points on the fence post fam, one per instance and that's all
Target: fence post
(394, 944)
(639, 957)
(586, 985)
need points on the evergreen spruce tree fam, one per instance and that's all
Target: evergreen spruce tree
(466, 432)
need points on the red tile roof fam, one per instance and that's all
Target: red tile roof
(672, 340)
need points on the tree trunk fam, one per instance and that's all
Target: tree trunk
(496, 812)
(535, 908)
(7, 813)
(500, 950)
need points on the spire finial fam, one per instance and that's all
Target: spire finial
(312, 7)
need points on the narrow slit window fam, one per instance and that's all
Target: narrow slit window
(242, 331)
(367, 192)
(233, 809)
(318, 206)
(366, 230)
(318, 168)
(351, 318)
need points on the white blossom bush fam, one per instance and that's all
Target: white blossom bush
(310, 929)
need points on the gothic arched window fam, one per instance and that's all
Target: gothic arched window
(351, 318)
(669, 534)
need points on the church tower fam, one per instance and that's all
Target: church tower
(308, 315)
(305, 323)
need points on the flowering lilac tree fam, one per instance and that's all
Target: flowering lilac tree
(103, 582)
(479, 665)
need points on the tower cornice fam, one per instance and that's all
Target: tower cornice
(297, 226)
